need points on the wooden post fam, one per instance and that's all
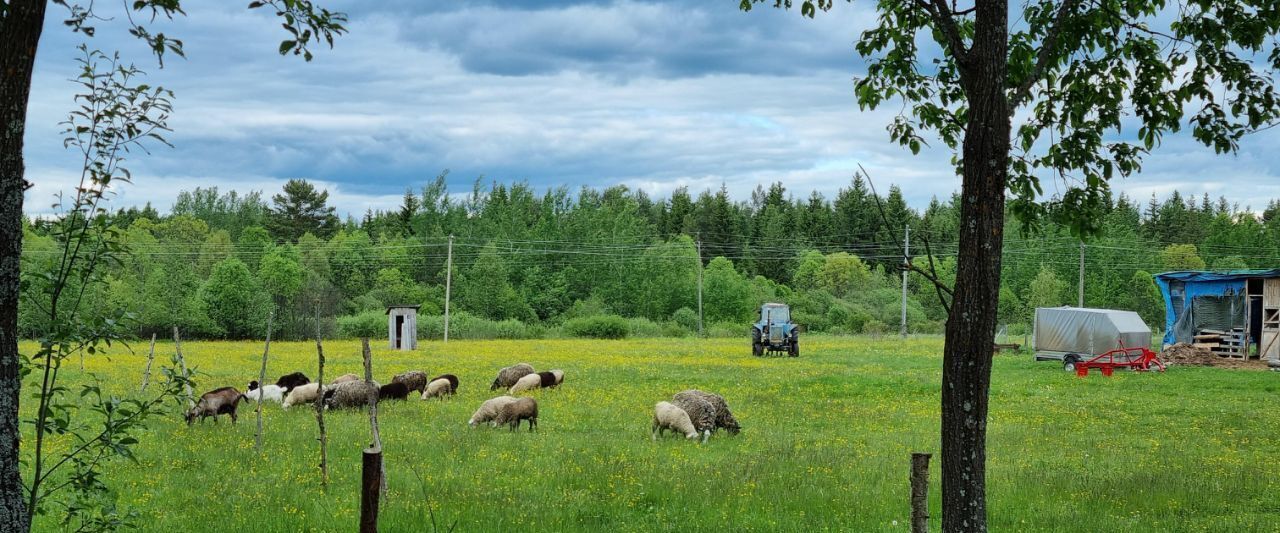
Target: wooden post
(151, 355)
(698, 243)
(920, 492)
(262, 382)
(319, 404)
(177, 347)
(370, 486)
(906, 260)
(373, 478)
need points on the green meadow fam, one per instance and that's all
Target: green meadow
(825, 445)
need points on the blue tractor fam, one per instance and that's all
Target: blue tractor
(774, 332)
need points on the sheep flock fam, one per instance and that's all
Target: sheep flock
(692, 414)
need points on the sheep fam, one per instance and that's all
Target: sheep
(667, 416)
(438, 388)
(396, 390)
(724, 417)
(343, 379)
(526, 383)
(416, 380)
(350, 394)
(453, 382)
(510, 375)
(551, 379)
(289, 381)
(271, 393)
(216, 402)
(701, 412)
(488, 410)
(521, 409)
(302, 394)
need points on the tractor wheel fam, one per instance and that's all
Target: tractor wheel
(757, 349)
(1069, 363)
(794, 350)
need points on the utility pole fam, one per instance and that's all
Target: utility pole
(699, 245)
(448, 281)
(906, 258)
(1080, 298)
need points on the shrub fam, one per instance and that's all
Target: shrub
(875, 328)
(372, 324)
(686, 318)
(643, 327)
(673, 329)
(464, 325)
(729, 330)
(597, 327)
(1018, 329)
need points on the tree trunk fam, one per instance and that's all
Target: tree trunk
(19, 36)
(966, 362)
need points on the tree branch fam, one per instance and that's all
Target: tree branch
(1047, 45)
(943, 18)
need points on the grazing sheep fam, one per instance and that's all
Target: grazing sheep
(551, 379)
(344, 378)
(350, 394)
(521, 409)
(724, 417)
(488, 410)
(453, 381)
(416, 380)
(302, 394)
(271, 393)
(438, 388)
(290, 381)
(396, 390)
(510, 375)
(667, 416)
(527, 383)
(217, 402)
(701, 412)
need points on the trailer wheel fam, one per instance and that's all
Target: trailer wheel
(1069, 363)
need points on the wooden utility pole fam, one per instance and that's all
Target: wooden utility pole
(698, 243)
(151, 356)
(920, 492)
(906, 260)
(262, 381)
(182, 363)
(373, 479)
(319, 405)
(1080, 298)
(448, 282)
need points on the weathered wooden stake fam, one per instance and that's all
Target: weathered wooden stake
(324, 438)
(373, 407)
(374, 479)
(177, 347)
(920, 492)
(262, 381)
(151, 355)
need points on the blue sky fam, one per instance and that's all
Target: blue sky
(654, 95)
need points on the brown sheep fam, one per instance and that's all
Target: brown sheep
(521, 409)
(415, 380)
(216, 402)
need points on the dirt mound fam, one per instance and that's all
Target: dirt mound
(1186, 354)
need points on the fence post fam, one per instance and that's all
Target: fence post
(920, 492)
(177, 347)
(373, 479)
(151, 355)
(319, 404)
(262, 382)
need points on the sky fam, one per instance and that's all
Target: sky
(653, 95)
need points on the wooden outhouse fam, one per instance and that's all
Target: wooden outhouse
(402, 327)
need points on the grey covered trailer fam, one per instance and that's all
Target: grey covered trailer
(1063, 331)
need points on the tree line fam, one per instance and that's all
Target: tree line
(218, 262)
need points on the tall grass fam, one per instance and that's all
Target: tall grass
(825, 445)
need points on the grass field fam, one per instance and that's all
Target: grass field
(825, 444)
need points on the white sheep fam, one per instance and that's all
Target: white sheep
(527, 383)
(302, 394)
(344, 379)
(667, 416)
(438, 388)
(488, 410)
(271, 393)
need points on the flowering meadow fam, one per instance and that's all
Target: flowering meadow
(825, 445)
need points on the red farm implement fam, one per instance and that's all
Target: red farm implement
(1137, 359)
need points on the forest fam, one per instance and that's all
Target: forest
(613, 262)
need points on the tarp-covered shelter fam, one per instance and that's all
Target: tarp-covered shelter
(1081, 330)
(1236, 300)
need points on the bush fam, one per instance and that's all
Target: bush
(1018, 329)
(372, 324)
(643, 327)
(464, 325)
(729, 330)
(875, 328)
(686, 318)
(597, 327)
(673, 329)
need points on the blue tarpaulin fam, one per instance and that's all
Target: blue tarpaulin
(1198, 300)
